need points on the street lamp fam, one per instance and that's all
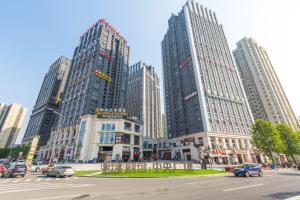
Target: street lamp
(60, 115)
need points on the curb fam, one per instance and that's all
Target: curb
(206, 175)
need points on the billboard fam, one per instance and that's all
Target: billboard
(34, 143)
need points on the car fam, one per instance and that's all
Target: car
(3, 170)
(16, 169)
(298, 167)
(61, 171)
(248, 169)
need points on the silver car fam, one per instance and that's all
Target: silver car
(61, 171)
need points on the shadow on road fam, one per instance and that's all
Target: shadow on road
(283, 195)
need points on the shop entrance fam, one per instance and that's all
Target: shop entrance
(240, 158)
(105, 154)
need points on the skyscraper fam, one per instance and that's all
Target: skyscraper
(263, 89)
(97, 79)
(11, 121)
(42, 118)
(143, 98)
(205, 102)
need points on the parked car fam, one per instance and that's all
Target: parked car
(298, 167)
(3, 170)
(61, 171)
(248, 169)
(16, 169)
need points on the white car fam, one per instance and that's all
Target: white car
(61, 171)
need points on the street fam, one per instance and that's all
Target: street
(274, 185)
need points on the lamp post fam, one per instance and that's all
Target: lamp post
(54, 144)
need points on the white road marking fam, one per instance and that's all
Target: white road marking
(48, 187)
(75, 177)
(5, 181)
(16, 180)
(27, 180)
(19, 185)
(294, 198)
(48, 179)
(238, 188)
(58, 179)
(38, 179)
(57, 197)
(191, 183)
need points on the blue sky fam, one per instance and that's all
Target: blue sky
(34, 33)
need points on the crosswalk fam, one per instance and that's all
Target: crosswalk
(32, 180)
(27, 185)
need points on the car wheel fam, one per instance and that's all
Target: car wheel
(247, 174)
(23, 175)
(57, 175)
(260, 174)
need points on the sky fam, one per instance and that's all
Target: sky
(33, 34)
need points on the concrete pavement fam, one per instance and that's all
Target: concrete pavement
(274, 185)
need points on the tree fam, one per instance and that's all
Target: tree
(266, 138)
(4, 153)
(290, 139)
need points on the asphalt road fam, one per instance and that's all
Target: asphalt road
(274, 185)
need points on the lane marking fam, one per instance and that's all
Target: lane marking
(57, 197)
(57, 179)
(204, 182)
(27, 180)
(238, 188)
(39, 179)
(25, 184)
(5, 181)
(16, 181)
(45, 188)
(48, 179)
(75, 178)
(16, 186)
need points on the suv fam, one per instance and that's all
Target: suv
(248, 169)
(61, 171)
(17, 169)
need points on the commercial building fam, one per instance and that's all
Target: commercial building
(43, 118)
(263, 89)
(107, 136)
(206, 106)
(11, 121)
(143, 98)
(97, 78)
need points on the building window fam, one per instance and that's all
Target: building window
(107, 138)
(136, 140)
(127, 126)
(137, 128)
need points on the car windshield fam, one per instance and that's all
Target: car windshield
(67, 167)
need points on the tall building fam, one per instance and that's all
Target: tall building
(43, 118)
(11, 121)
(205, 102)
(263, 89)
(143, 98)
(97, 80)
